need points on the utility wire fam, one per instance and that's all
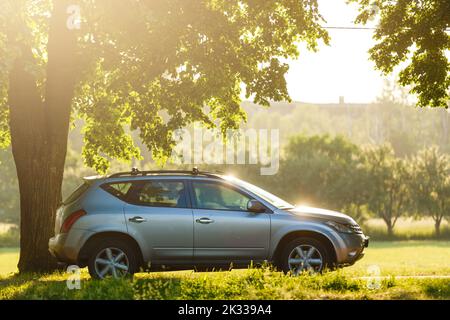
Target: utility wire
(350, 28)
(359, 28)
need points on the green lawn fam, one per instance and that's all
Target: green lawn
(8, 260)
(405, 258)
(402, 258)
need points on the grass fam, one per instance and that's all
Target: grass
(403, 258)
(8, 260)
(261, 283)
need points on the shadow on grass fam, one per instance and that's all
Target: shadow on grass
(55, 287)
(58, 290)
(437, 289)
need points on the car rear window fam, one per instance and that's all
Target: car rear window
(118, 189)
(77, 193)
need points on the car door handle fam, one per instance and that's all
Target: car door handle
(137, 219)
(204, 220)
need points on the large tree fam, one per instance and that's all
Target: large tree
(431, 185)
(150, 66)
(413, 35)
(388, 184)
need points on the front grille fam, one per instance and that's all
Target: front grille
(355, 228)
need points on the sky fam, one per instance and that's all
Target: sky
(340, 69)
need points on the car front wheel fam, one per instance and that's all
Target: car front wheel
(304, 255)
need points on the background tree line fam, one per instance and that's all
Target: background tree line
(367, 181)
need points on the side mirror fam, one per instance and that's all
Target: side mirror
(255, 206)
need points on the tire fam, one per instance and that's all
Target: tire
(123, 255)
(290, 253)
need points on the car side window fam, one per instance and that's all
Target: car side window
(214, 196)
(158, 193)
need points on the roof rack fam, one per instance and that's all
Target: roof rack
(136, 172)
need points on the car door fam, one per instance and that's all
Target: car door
(159, 214)
(224, 231)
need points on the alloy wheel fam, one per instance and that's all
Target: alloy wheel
(305, 258)
(111, 262)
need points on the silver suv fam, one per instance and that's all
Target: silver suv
(175, 220)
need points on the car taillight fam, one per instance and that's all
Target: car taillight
(70, 220)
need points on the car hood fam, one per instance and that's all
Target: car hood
(323, 214)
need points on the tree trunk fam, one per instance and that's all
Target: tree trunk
(437, 227)
(390, 229)
(31, 156)
(39, 131)
(40, 194)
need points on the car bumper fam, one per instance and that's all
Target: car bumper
(353, 250)
(66, 246)
(56, 243)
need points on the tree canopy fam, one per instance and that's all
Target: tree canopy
(153, 66)
(414, 36)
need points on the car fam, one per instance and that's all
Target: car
(120, 224)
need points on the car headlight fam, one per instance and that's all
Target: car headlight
(339, 227)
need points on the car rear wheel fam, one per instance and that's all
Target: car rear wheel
(304, 255)
(112, 258)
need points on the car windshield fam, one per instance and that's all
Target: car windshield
(267, 196)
